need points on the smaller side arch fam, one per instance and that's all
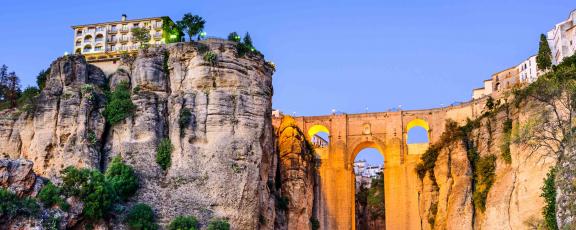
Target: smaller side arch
(417, 148)
(313, 130)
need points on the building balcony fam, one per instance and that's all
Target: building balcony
(124, 40)
(112, 31)
(112, 40)
(99, 40)
(124, 30)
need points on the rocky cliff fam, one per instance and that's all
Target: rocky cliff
(223, 155)
(297, 173)
(484, 175)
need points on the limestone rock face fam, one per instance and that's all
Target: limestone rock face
(296, 174)
(514, 198)
(17, 176)
(55, 134)
(223, 155)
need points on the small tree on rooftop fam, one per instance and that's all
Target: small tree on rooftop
(141, 35)
(191, 24)
(544, 58)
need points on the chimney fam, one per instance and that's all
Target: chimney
(124, 17)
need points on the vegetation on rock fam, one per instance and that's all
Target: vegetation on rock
(183, 222)
(234, 37)
(91, 187)
(42, 77)
(122, 178)
(119, 105)
(12, 206)
(506, 141)
(51, 195)
(141, 217)
(184, 119)
(218, 225)
(549, 194)
(164, 153)
(484, 178)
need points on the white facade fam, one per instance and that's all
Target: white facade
(113, 37)
(562, 39)
(528, 70)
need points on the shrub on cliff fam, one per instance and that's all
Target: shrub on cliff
(183, 223)
(141, 217)
(184, 120)
(218, 225)
(50, 195)
(122, 178)
(119, 105)
(12, 206)
(164, 153)
(484, 178)
(549, 194)
(91, 187)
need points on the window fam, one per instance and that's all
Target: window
(98, 48)
(78, 42)
(113, 28)
(79, 33)
(113, 47)
(136, 25)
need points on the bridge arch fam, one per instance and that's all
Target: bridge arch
(419, 146)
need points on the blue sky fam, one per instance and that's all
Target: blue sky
(343, 55)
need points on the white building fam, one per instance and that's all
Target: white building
(562, 39)
(364, 173)
(528, 70)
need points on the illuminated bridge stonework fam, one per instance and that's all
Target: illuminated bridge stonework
(386, 132)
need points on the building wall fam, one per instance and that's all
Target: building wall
(505, 80)
(562, 39)
(105, 40)
(478, 93)
(528, 70)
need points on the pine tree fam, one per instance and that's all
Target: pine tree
(544, 58)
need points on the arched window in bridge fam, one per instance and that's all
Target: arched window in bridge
(319, 136)
(417, 136)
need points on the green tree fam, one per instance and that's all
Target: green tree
(119, 105)
(544, 58)
(191, 24)
(122, 178)
(50, 195)
(248, 41)
(183, 223)
(12, 206)
(93, 190)
(234, 37)
(141, 217)
(163, 153)
(9, 86)
(141, 35)
(42, 77)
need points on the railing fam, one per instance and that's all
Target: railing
(124, 39)
(112, 40)
(99, 39)
(112, 30)
(124, 30)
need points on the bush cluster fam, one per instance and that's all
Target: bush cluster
(549, 195)
(183, 223)
(51, 195)
(119, 105)
(122, 178)
(484, 178)
(164, 153)
(141, 217)
(12, 206)
(218, 225)
(506, 141)
(184, 120)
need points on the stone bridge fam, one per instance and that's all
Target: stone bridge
(386, 132)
